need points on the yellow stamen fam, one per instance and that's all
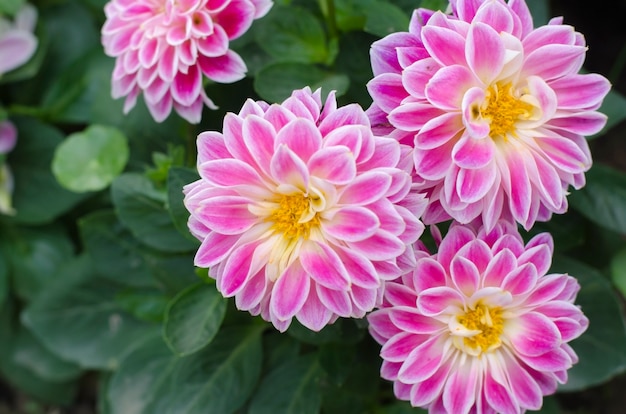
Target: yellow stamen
(294, 216)
(504, 109)
(490, 324)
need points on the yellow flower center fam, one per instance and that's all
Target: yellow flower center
(294, 216)
(490, 324)
(504, 109)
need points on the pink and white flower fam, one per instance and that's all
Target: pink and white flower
(495, 109)
(163, 48)
(479, 327)
(302, 211)
(17, 41)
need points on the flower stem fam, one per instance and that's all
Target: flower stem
(331, 20)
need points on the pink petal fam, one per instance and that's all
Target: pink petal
(539, 256)
(426, 391)
(583, 123)
(382, 245)
(496, 15)
(521, 280)
(503, 263)
(400, 295)
(446, 46)
(236, 18)
(229, 172)
(287, 168)
(237, 269)
(226, 214)
(336, 301)
(413, 116)
(383, 55)
(434, 164)
(525, 389)
(259, 135)
(473, 185)
(380, 326)
(423, 361)
(456, 238)
(408, 319)
(361, 271)
(351, 114)
(547, 35)
(290, 292)
(387, 91)
(351, 224)
(252, 292)
(460, 392)
(227, 68)
(398, 347)
(438, 131)
(322, 264)
(464, 275)
(214, 45)
(302, 137)
(417, 75)
(434, 301)
(564, 154)
(447, 87)
(186, 87)
(313, 314)
(366, 188)
(485, 52)
(580, 91)
(336, 165)
(535, 334)
(554, 61)
(518, 188)
(214, 249)
(429, 274)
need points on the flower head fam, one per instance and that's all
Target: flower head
(302, 211)
(495, 109)
(17, 41)
(479, 326)
(164, 47)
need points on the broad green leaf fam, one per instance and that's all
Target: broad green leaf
(278, 348)
(603, 199)
(602, 348)
(342, 331)
(34, 255)
(338, 361)
(144, 304)
(141, 208)
(383, 19)
(177, 178)
(618, 271)
(21, 376)
(174, 272)
(193, 318)
(140, 376)
(276, 82)
(90, 160)
(292, 34)
(613, 106)
(399, 407)
(80, 320)
(220, 377)
(115, 253)
(292, 388)
(33, 356)
(38, 197)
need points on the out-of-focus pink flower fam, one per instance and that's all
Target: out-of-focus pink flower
(495, 109)
(8, 136)
(479, 326)
(302, 211)
(17, 41)
(164, 47)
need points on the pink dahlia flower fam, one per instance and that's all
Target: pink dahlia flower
(479, 327)
(17, 41)
(302, 211)
(495, 109)
(164, 47)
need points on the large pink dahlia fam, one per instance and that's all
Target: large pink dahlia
(164, 47)
(302, 211)
(479, 327)
(495, 109)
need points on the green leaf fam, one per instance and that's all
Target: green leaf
(38, 197)
(277, 349)
(342, 331)
(34, 254)
(383, 19)
(177, 178)
(10, 7)
(276, 82)
(603, 199)
(292, 34)
(618, 271)
(90, 160)
(141, 208)
(193, 318)
(174, 272)
(146, 305)
(613, 106)
(79, 319)
(221, 376)
(21, 376)
(292, 388)
(4, 280)
(602, 348)
(115, 253)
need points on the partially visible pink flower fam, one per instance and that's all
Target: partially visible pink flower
(495, 109)
(8, 136)
(302, 211)
(164, 48)
(479, 327)
(17, 41)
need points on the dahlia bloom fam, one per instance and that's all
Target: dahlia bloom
(17, 41)
(302, 211)
(479, 326)
(495, 109)
(164, 47)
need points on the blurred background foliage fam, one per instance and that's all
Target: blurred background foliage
(101, 307)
